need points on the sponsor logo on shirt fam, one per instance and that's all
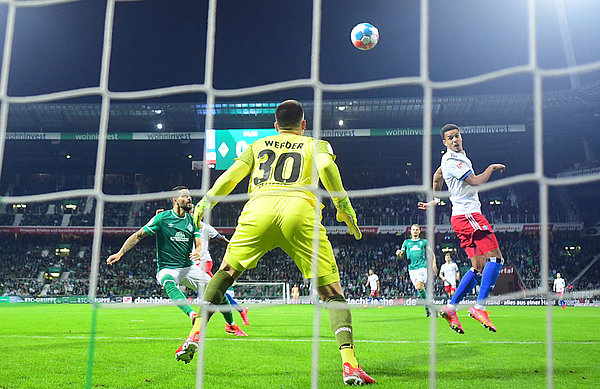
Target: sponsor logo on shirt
(170, 225)
(179, 237)
(460, 165)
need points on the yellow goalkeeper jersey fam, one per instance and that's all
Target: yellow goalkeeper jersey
(282, 164)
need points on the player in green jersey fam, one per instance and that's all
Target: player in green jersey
(178, 249)
(281, 213)
(416, 250)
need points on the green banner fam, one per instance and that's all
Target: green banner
(232, 137)
(93, 136)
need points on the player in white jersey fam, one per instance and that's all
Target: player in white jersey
(450, 274)
(559, 288)
(475, 232)
(373, 283)
(208, 233)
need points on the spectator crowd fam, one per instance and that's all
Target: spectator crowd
(25, 260)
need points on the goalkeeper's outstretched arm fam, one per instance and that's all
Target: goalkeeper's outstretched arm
(222, 187)
(332, 181)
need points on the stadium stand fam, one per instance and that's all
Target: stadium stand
(26, 257)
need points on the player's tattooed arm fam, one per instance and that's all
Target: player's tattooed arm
(128, 245)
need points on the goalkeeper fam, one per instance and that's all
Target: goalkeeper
(281, 213)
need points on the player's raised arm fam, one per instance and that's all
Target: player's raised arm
(129, 243)
(476, 180)
(438, 183)
(332, 181)
(223, 186)
(222, 239)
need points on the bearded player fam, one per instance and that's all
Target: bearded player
(177, 243)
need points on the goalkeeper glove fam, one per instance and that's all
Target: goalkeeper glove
(346, 214)
(202, 206)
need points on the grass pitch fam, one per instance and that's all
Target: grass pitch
(47, 346)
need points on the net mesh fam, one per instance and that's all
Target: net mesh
(319, 88)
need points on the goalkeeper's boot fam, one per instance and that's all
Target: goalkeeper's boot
(482, 316)
(186, 351)
(244, 315)
(234, 329)
(356, 376)
(452, 319)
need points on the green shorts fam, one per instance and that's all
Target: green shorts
(288, 222)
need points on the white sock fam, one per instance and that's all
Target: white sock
(451, 306)
(480, 307)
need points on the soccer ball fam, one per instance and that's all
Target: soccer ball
(364, 36)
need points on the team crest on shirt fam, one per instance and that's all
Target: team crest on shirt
(190, 228)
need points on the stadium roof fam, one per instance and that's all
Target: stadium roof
(578, 104)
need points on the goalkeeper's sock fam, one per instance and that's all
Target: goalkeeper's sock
(168, 282)
(215, 290)
(489, 276)
(218, 285)
(227, 315)
(233, 303)
(466, 285)
(348, 355)
(340, 321)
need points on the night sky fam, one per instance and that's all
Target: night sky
(161, 43)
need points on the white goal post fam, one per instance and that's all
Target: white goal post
(261, 292)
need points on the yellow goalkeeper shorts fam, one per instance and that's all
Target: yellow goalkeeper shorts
(268, 222)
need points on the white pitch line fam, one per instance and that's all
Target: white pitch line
(245, 339)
